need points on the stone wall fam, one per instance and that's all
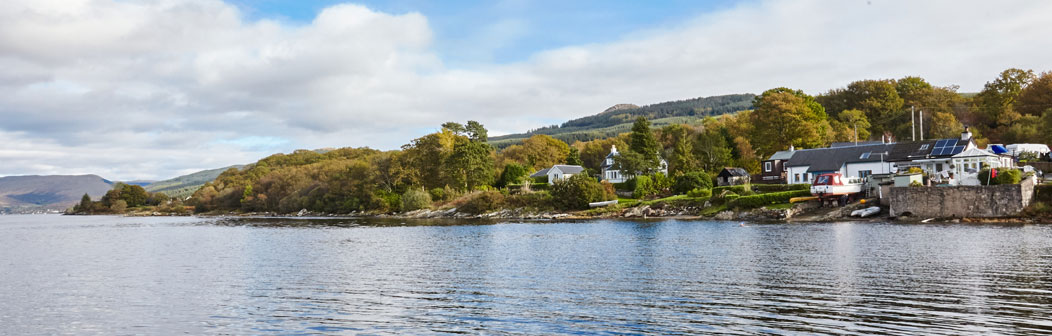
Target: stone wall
(962, 201)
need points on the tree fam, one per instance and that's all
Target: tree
(470, 165)
(85, 204)
(995, 104)
(476, 132)
(746, 155)
(1036, 98)
(454, 127)
(631, 163)
(712, 148)
(642, 141)
(537, 152)
(682, 158)
(943, 125)
(879, 100)
(577, 191)
(133, 195)
(692, 180)
(788, 118)
(574, 157)
(119, 206)
(848, 122)
(513, 173)
(594, 152)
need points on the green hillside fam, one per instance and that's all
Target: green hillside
(184, 186)
(618, 119)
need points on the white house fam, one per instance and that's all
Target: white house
(558, 172)
(613, 175)
(850, 161)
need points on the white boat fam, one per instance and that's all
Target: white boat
(833, 185)
(601, 204)
(870, 211)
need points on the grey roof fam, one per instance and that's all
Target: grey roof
(733, 171)
(852, 143)
(829, 159)
(566, 169)
(907, 151)
(781, 155)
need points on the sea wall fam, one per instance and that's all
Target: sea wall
(962, 201)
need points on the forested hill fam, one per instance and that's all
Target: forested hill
(618, 119)
(184, 186)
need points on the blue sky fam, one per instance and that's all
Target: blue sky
(469, 33)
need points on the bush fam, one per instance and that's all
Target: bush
(541, 179)
(760, 200)
(1004, 176)
(415, 199)
(577, 191)
(644, 187)
(625, 186)
(482, 202)
(700, 193)
(766, 188)
(1043, 193)
(513, 173)
(737, 189)
(691, 181)
(537, 200)
(661, 181)
(916, 184)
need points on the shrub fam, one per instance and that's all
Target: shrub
(608, 190)
(537, 200)
(737, 189)
(691, 181)
(577, 191)
(760, 200)
(661, 181)
(625, 186)
(119, 206)
(700, 193)
(644, 187)
(1043, 193)
(482, 202)
(513, 173)
(916, 184)
(1004, 176)
(541, 179)
(415, 199)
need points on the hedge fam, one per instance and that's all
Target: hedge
(737, 189)
(760, 200)
(533, 186)
(766, 188)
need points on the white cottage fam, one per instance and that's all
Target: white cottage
(967, 165)
(558, 172)
(614, 175)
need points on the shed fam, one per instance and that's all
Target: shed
(732, 176)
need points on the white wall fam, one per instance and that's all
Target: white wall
(853, 169)
(792, 175)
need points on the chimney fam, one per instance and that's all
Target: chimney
(791, 148)
(966, 135)
(613, 149)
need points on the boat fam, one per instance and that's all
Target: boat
(834, 187)
(865, 212)
(601, 204)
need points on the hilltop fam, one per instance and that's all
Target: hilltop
(618, 118)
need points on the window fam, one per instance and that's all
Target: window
(797, 178)
(808, 177)
(767, 166)
(865, 155)
(864, 173)
(924, 146)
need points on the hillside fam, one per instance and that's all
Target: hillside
(48, 192)
(619, 118)
(184, 186)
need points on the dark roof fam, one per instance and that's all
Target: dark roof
(781, 155)
(850, 144)
(829, 159)
(927, 149)
(733, 171)
(569, 169)
(566, 169)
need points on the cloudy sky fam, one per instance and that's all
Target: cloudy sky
(153, 89)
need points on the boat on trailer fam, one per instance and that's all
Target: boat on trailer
(836, 189)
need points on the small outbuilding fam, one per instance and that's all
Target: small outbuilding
(732, 176)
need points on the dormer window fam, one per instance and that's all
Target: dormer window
(924, 147)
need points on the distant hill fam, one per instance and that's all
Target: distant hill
(186, 185)
(48, 192)
(618, 118)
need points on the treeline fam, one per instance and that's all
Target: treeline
(124, 197)
(457, 166)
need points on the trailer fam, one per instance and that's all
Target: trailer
(835, 190)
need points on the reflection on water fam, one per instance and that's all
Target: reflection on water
(109, 275)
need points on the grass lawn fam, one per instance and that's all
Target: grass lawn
(779, 206)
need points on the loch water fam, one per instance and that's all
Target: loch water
(185, 275)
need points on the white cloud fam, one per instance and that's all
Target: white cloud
(150, 89)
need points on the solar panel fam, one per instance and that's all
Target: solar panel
(941, 143)
(957, 150)
(938, 151)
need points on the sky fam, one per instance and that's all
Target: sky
(133, 90)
